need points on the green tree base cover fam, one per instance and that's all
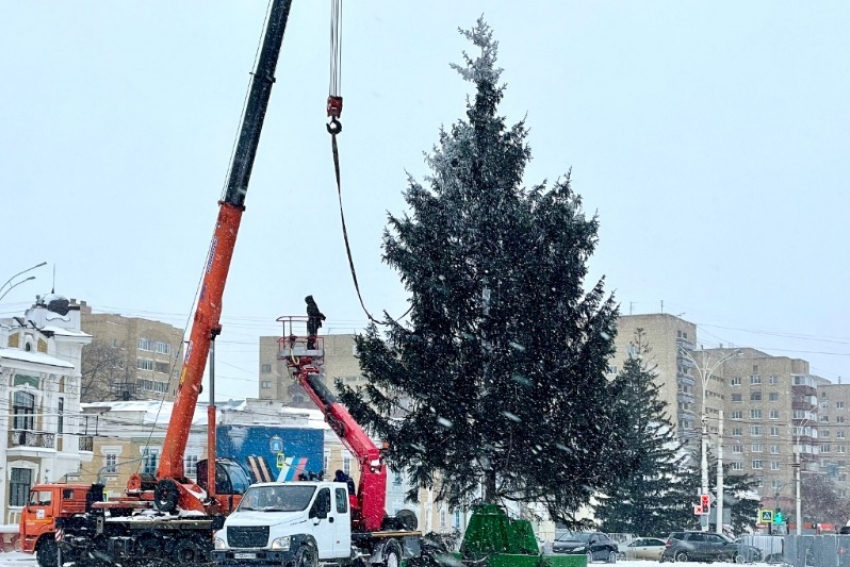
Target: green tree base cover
(499, 378)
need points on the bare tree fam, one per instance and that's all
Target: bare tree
(821, 502)
(105, 374)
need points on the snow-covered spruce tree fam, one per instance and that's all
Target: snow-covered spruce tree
(656, 498)
(499, 378)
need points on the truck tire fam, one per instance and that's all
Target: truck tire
(306, 556)
(45, 551)
(187, 550)
(392, 554)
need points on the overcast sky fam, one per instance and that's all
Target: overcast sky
(712, 139)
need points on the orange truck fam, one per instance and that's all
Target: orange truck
(167, 516)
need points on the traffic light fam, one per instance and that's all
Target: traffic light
(705, 501)
(778, 517)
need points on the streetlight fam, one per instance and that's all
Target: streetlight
(705, 375)
(7, 282)
(797, 466)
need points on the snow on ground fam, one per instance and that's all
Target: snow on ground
(17, 559)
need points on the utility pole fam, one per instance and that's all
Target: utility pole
(798, 511)
(719, 506)
(704, 467)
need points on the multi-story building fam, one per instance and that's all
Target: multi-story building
(668, 337)
(276, 382)
(770, 414)
(834, 433)
(151, 351)
(40, 437)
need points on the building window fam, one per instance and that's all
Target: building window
(736, 398)
(397, 479)
(19, 486)
(736, 381)
(824, 448)
(774, 414)
(346, 464)
(145, 344)
(737, 448)
(442, 518)
(755, 379)
(23, 409)
(757, 465)
(773, 396)
(163, 348)
(839, 405)
(755, 414)
(755, 396)
(190, 465)
(774, 465)
(773, 380)
(161, 367)
(267, 368)
(60, 410)
(326, 461)
(110, 463)
(737, 415)
(737, 466)
(149, 459)
(774, 432)
(758, 447)
(737, 431)
(825, 432)
(266, 384)
(841, 448)
(823, 419)
(840, 434)
(456, 521)
(774, 449)
(777, 484)
(755, 430)
(839, 419)
(144, 364)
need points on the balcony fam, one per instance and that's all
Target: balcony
(23, 439)
(685, 380)
(685, 398)
(86, 443)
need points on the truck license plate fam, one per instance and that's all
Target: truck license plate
(244, 555)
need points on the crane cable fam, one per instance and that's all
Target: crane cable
(334, 127)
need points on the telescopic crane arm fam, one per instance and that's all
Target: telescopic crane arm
(206, 324)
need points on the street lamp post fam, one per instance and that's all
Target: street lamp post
(14, 285)
(705, 374)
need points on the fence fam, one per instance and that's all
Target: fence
(817, 550)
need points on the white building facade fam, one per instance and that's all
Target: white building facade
(40, 361)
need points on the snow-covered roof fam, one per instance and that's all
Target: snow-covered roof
(63, 332)
(33, 357)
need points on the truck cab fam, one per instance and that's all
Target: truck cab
(38, 518)
(298, 524)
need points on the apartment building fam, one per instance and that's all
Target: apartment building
(151, 350)
(40, 438)
(770, 414)
(834, 433)
(670, 338)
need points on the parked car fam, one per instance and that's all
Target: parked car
(643, 548)
(696, 546)
(596, 545)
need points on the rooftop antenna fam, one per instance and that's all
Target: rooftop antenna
(53, 289)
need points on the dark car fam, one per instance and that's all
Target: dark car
(739, 552)
(597, 546)
(698, 546)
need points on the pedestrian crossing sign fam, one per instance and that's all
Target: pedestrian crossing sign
(765, 516)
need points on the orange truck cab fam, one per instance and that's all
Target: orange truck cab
(46, 503)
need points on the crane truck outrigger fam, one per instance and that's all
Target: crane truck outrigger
(308, 523)
(179, 515)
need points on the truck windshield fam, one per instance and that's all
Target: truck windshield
(283, 498)
(40, 498)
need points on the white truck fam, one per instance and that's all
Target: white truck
(304, 524)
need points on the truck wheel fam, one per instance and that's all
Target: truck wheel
(306, 556)
(392, 554)
(187, 550)
(45, 552)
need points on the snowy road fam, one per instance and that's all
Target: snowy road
(15, 559)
